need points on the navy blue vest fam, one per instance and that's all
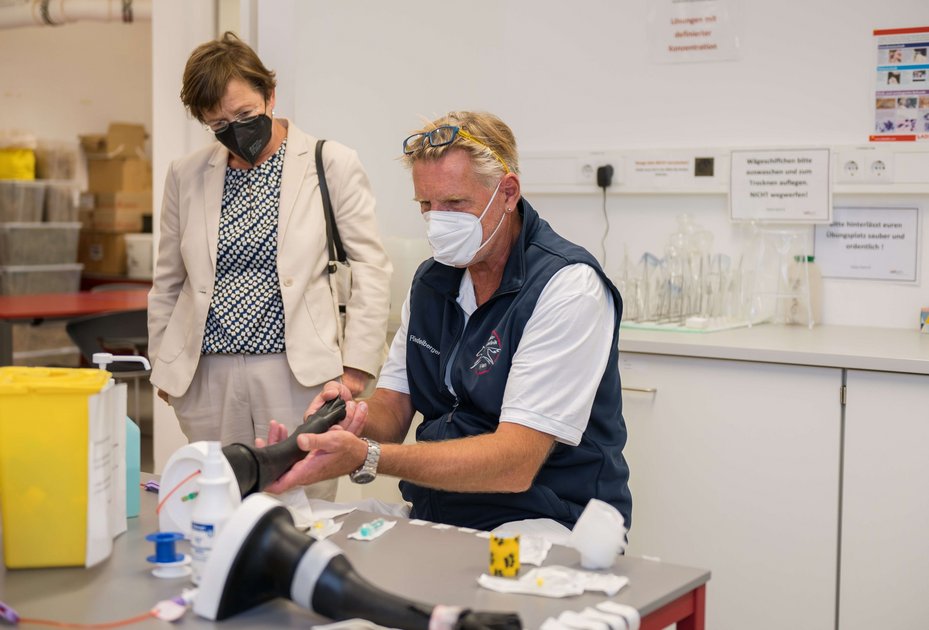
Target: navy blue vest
(571, 475)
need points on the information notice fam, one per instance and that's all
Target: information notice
(873, 243)
(780, 186)
(686, 31)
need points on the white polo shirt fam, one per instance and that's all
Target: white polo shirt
(559, 363)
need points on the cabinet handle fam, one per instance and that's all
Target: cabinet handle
(644, 390)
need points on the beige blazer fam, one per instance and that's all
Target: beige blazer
(185, 268)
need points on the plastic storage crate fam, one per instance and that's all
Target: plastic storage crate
(28, 279)
(21, 200)
(61, 203)
(38, 243)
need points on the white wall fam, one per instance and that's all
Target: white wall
(58, 82)
(178, 26)
(576, 76)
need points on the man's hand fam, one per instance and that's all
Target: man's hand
(320, 465)
(356, 380)
(355, 412)
(331, 454)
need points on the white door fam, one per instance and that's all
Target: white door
(885, 515)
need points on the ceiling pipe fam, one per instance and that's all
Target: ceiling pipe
(58, 12)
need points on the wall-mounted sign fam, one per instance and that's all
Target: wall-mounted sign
(692, 30)
(901, 95)
(780, 186)
(661, 170)
(876, 243)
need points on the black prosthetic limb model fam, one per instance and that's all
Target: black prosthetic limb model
(257, 468)
(259, 555)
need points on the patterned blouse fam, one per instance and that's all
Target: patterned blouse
(247, 313)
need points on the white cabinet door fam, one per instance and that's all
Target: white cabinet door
(735, 468)
(885, 510)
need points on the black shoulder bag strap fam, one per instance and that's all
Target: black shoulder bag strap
(336, 251)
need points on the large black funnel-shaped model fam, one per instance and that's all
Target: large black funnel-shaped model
(260, 555)
(257, 468)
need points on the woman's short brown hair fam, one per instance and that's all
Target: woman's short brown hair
(213, 65)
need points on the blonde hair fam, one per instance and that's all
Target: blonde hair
(213, 65)
(493, 141)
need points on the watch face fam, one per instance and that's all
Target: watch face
(368, 470)
(363, 476)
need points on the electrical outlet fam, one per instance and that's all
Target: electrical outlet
(865, 166)
(851, 170)
(586, 172)
(586, 165)
(880, 170)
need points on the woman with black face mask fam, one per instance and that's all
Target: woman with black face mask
(243, 326)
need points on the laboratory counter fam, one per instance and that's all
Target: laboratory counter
(847, 347)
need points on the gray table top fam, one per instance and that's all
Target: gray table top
(437, 566)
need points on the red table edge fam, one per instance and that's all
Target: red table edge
(688, 611)
(62, 305)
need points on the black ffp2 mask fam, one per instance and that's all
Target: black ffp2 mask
(247, 139)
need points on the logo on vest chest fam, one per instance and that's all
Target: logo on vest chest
(487, 355)
(425, 344)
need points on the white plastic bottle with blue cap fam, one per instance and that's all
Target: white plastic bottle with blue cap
(212, 508)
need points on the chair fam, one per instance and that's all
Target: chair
(124, 332)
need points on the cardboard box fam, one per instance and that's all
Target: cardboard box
(122, 140)
(119, 175)
(121, 211)
(86, 217)
(102, 252)
(85, 201)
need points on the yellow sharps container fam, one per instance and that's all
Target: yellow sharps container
(45, 419)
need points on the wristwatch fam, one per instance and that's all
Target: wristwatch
(368, 470)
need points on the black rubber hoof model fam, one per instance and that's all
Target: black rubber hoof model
(257, 468)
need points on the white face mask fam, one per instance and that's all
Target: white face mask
(455, 237)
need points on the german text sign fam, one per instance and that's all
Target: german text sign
(780, 186)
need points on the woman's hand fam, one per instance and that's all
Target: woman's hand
(277, 432)
(356, 380)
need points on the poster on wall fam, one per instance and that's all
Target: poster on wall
(687, 31)
(901, 95)
(870, 243)
(780, 186)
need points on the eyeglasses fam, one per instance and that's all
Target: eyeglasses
(441, 136)
(219, 126)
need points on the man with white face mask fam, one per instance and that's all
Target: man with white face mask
(507, 346)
